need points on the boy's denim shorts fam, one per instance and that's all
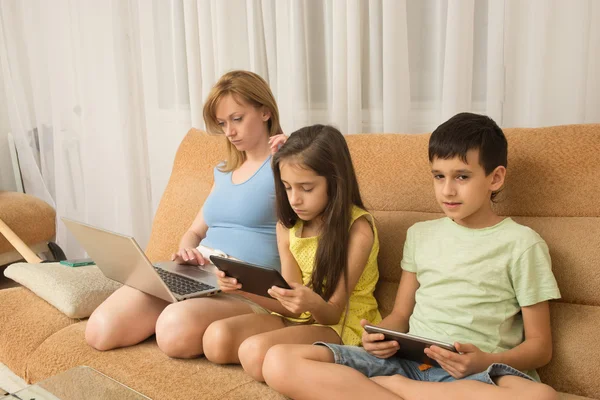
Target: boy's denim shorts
(370, 366)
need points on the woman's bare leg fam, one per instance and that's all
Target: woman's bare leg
(126, 317)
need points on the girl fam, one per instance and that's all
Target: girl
(238, 218)
(328, 247)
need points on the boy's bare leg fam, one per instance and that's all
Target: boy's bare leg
(509, 387)
(309, 372)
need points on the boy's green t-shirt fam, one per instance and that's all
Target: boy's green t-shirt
(473, 282)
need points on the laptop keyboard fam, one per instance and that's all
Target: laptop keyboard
(181, 285)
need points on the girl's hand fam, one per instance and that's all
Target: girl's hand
(470, 361)
(297, 300)
(376, 344)
(275, 142)
(227, 283)
(188, 256)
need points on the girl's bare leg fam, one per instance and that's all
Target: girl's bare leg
(224, 337)
(253, 350)
(181, 326)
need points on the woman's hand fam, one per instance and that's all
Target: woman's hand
(226, 283)
(470, 361)
(297, 300)
(376, 344)
(275, 142)
(188, 256)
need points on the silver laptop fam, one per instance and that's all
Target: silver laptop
(120, 258)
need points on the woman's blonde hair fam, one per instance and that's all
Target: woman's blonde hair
(244, 86)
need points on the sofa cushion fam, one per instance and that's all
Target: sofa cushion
(145, 368)
(574, 245)
(26, 321)
(76, 292)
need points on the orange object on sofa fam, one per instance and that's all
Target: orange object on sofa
(551, 186)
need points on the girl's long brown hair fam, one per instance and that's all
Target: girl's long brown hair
(244, 86)
(323, 149)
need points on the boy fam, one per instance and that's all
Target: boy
(473, 278)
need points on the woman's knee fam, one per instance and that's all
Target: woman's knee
(177, 335)
(101, 332)
(114, 324)
(252, 354)
(217, 341)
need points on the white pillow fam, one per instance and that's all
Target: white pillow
(75, 291)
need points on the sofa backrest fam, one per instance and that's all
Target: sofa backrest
(551, 187)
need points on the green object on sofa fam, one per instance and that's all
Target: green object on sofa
(552, 187)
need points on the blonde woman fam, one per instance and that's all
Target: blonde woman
(238, 218)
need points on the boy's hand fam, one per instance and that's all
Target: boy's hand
(297, 300)
(227, 283)
(374, 343)
(469, 362)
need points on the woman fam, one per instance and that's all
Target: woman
(237, 218)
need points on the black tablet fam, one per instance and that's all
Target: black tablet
(411, 346)
(254, 278)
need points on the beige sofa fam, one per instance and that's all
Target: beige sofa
(552, 186)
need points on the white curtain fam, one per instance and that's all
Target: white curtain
(73, 87)
(101, 93)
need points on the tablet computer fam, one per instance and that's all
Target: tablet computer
(411, 346)
(254, 278)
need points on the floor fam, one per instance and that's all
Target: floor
(9, 382)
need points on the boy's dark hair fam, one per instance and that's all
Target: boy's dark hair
(468, 131)
(323, 149)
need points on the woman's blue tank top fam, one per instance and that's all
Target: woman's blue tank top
(241, 218)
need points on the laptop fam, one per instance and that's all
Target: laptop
(121, 259)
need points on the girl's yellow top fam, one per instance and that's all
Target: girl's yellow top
(362, 303)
